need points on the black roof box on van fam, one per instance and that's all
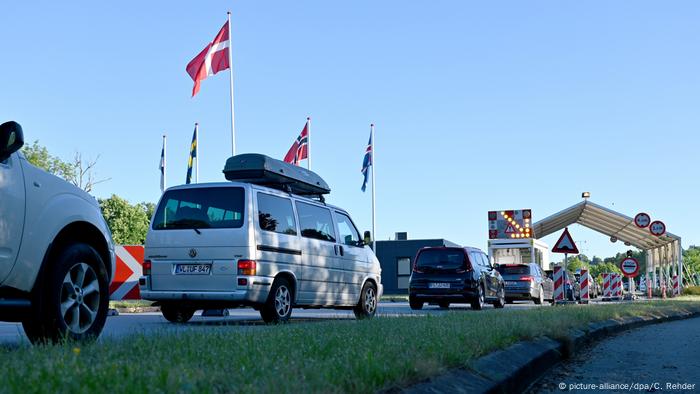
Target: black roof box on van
(265, 171)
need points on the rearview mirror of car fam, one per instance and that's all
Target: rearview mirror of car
(368, 238)
(11, 139)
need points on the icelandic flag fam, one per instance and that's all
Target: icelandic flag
(193, 155)
(367, 162)
(162, 168)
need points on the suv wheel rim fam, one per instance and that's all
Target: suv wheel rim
(80, 298)
(481, 295)
(283, 301)
(370, 300)
(541, 295)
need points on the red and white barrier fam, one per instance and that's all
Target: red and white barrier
(558, 284)
(585, 283)
(676, 288)
(617, 285)
(125, 285)
(648, 285)
(607, 289)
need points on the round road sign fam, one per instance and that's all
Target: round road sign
(642, 220)
(629, 267)
(657, 228)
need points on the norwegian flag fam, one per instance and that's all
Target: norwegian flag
(300, 148)
(212, 59)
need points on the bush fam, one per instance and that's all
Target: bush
(691, 290)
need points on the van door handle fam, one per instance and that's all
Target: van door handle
(341, 250)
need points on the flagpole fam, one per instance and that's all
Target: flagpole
(230, 68)
(196, 149)
(308, 142)
(374, 223)
(165, 155)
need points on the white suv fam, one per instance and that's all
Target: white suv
(56, 251)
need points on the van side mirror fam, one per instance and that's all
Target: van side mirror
(368, 238)
(11, 139)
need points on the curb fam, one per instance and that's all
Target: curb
(517, 367)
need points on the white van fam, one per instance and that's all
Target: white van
(225, 245)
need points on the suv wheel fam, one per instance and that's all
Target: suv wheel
(72, 301)
(540, 298)
(478, 303)
(501, 300)
(415, 304)
(278, 307)
(367, 306)
(176, 314)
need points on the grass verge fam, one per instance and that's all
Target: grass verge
(336, 356)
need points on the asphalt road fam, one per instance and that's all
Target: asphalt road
(11, 334)
(658, 358)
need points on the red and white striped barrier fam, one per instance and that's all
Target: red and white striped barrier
(676, 288)
(618, 292)
(648, 285)
(607, 289)
(125, 285)
(558, 284)
(585, 283)
(615, 285)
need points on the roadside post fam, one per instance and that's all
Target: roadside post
(558, 284)
(675, 286)
(565, 245)
(606, 286)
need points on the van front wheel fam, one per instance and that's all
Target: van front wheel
(278, 307)
(367, 307)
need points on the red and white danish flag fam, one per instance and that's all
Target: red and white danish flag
(213, 58)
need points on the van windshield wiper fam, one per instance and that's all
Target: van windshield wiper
(196, 230)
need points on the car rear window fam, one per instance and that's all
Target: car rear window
(215, 207)
(513, 269)
(441, 258)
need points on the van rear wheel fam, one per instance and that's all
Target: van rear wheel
(278, 307)
(367, 307)
(176, 314)
(415, 304)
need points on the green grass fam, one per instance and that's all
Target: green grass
(335, 356)
(692, 290)
(130, 304)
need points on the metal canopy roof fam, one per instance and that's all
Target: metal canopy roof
(605, 221)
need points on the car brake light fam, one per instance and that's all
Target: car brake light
(527, 278)
(146, 267)
(246, 267)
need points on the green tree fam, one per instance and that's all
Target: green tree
(39, 156)
(80, 172)
(128, 223)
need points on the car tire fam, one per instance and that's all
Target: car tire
(501, 300)
(444, 305)
(478, 302)
(72, 300)
(278, 307)
(176, 314)
(540, 298)
(367, 307)
(415, 304)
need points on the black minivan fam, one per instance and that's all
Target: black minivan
(444, 275)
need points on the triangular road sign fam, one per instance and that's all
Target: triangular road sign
(510, 229)
(565, 244)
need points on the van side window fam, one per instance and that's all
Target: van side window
(485, 259)
(346, 230)
(475, 259)
(315, 222)
(275, 214)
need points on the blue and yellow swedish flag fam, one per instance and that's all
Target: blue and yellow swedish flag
(193, 155)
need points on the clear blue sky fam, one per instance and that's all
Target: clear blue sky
(478, 106)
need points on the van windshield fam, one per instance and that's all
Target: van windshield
(215, 207)
(442, 259)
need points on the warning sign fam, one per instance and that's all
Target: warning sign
(509, 229)
(510, 224)
(565, 244)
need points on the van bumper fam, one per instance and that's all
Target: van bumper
(255, 292)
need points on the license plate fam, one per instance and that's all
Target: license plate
(511, 283)
(192, 269)
(438, 285)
